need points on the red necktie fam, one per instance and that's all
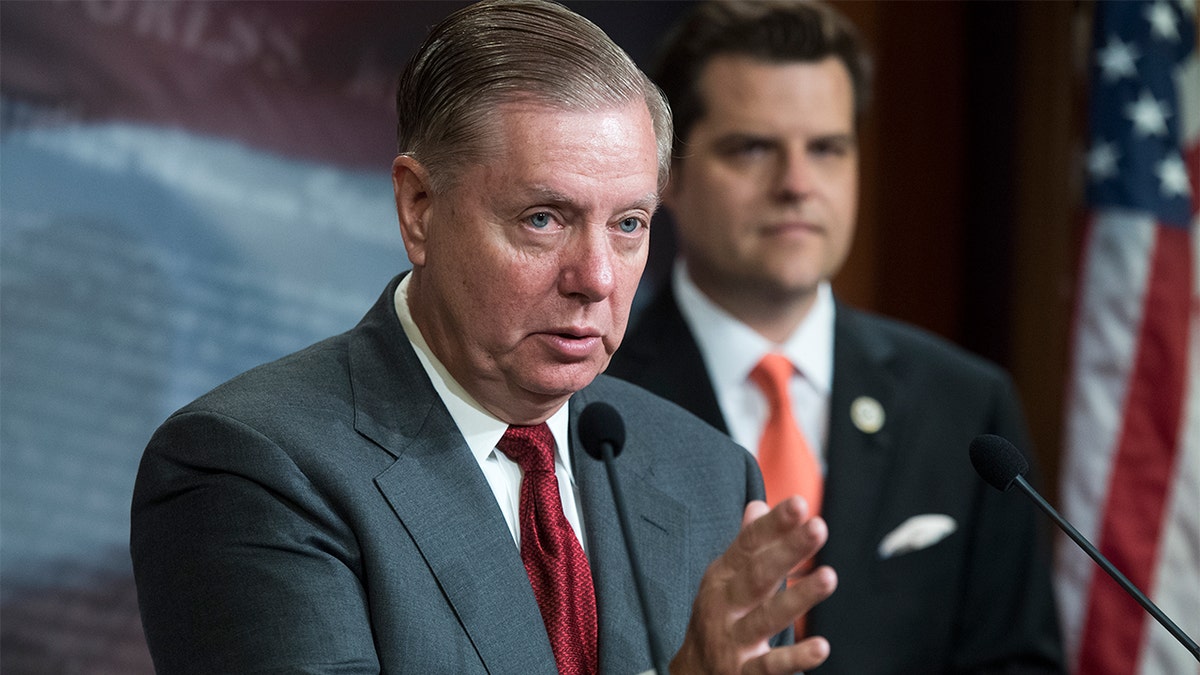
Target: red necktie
(557, 567)
(788, 465)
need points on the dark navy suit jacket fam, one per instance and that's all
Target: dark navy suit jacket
(980, 600)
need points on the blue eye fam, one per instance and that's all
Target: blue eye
(630, 225)
(540, 220)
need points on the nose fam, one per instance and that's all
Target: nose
(587, 268)
(794, 180)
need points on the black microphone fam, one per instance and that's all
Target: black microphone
(1000, 464)
(603, 434)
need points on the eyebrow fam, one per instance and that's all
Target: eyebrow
(771, 138)
(649, 202)
(850, 137)
(541, 193)
(743, 136)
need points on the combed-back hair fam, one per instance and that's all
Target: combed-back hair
(509, 51)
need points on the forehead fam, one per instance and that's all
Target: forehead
(740, 89)
(605, 152)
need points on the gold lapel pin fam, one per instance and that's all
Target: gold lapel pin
(867, 414)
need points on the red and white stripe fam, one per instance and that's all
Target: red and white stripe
(1131, 469)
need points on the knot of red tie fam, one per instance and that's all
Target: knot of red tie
(531, 447)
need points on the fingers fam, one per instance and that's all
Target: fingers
(802, 656)
(754, 510)
(782, 609)
(762, 528)
(767, 549)
(740, 606)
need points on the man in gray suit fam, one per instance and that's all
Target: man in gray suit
(374, 503)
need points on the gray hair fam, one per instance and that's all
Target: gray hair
(506, 51)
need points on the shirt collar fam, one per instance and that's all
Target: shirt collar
(480, 428)
(731, 349)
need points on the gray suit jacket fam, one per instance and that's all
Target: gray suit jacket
(978, 601)
(322, 513)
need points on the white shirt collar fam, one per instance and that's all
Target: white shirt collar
(731, 349)
(480, 428)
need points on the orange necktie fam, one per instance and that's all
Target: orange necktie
(788, 465)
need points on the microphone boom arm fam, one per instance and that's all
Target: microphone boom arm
(1108, 567)
(656, 655)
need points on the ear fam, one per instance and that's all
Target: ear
(410, 182)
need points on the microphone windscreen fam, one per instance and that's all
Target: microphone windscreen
(600, 423)
(997, 461)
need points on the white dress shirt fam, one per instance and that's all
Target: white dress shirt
(483, 431)
(731, 349)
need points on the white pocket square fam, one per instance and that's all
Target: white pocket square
(917, 533)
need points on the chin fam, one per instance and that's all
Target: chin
(563, 381)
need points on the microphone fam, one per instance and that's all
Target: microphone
(1000, 464)
(603, 434)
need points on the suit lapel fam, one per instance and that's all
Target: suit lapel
(662, 356)
(858, 458)
(469, 549)
(658, 525)
(441, 498)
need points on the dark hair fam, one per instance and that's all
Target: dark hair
(774, 31)
(505, 51)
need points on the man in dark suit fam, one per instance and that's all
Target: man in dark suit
(938, 573)
(409, 497)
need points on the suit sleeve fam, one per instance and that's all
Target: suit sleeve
(241, 565)
(1008, 621)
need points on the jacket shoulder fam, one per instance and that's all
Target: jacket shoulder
(316, 377)
(912, 345)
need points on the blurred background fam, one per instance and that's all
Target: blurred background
(190, 188)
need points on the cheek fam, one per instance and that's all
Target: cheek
(845, 195)
(707, 206)
(852, 212)
(723, 186)
(840, 245)
(846, 225)
(703, 186)
(629, 275)
(731, 207)
(705, 235)
(517, 290)
(483, 295)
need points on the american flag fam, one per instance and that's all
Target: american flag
(1131, 469)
